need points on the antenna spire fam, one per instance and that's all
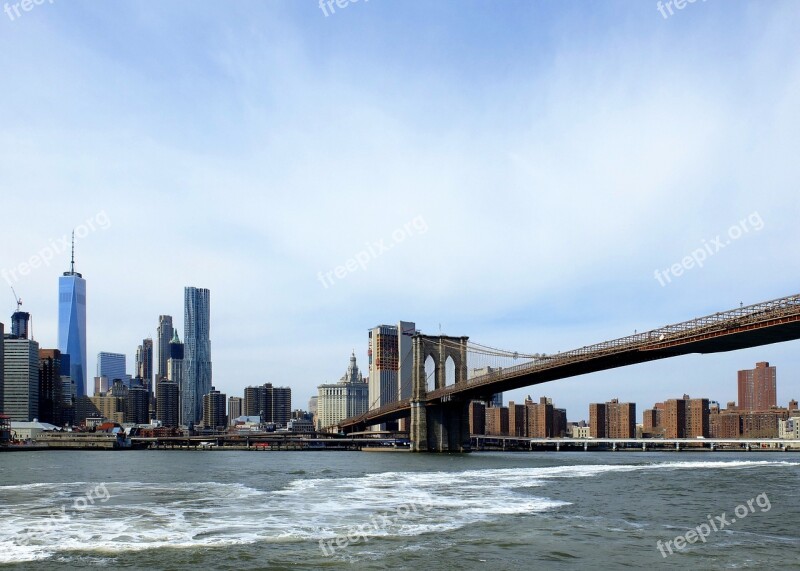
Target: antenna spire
(72, 262)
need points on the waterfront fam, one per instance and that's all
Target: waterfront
(181, 510)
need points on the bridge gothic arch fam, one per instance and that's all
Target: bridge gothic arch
(440, 349)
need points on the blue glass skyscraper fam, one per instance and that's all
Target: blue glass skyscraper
(72, 323)
(197, 353)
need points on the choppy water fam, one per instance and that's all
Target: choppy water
(247, 510)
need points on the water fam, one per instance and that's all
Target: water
(248, 510)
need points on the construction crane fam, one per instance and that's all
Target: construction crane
(16, 299)
(27, 319)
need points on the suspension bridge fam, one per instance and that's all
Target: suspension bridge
(438, 410)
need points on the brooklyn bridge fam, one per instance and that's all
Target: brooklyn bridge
(437, 411)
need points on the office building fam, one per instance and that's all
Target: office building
(164, 332)
(112, 366)
(72, 323)
(144, 363)
(19, 324)
(234, 408)
(167, 403)
(50, 387)
(337, 401)
(214, 410)
(175, 370)
(389, 360)
(137, 410)
(110, 407)
(101, 385)
(271, 404)
(69, 395)
(757, 388)
(20, 379)
(312, 405)
(197, 353)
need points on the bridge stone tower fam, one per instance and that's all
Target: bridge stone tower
(441, 426)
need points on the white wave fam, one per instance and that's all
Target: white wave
(144, 515)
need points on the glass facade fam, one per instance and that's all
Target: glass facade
(197, 353)
(72, 326)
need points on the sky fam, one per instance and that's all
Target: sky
(514, 171)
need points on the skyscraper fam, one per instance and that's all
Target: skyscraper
(390, 363)
(272, 404)
(197, 354)
(214, 409)
(137, 407)
(167, 402)
(72, 323)
(21, 379)
(19, 324)
(50, 387)
(165, 330)
(234, 408)
(111, 365)
(757, 388)
(175, 371)
(144, 364)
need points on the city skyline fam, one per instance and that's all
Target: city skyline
(198, 300)
(518, 176)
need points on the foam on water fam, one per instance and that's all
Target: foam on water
(142, 515)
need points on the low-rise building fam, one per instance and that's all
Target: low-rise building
(789, 428)
(24, 431)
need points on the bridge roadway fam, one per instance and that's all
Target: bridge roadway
(750, 326)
